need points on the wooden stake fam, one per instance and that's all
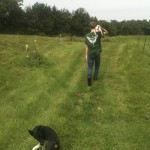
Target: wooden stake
(144, 45)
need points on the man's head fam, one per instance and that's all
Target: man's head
(92, 25)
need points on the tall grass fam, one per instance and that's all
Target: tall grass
(51, 89)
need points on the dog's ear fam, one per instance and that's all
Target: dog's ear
(30, 132)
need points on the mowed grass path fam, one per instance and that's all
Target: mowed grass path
(113, 114)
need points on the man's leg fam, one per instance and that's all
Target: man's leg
(90, 66)
(97, 66)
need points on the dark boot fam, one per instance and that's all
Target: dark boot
(89, 80)
(95, 78)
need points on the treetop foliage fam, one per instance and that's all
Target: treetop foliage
(42, 19)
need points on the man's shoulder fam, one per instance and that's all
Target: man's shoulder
(88, 34)
(91, 34)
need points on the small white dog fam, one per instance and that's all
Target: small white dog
(98, 28)
(103, 31)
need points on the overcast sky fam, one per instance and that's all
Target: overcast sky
(103, 9)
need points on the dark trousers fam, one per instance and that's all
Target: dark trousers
(94, 60)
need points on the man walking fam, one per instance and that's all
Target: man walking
(93, 49)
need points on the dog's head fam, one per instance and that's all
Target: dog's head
(98, 28)
(36, 133)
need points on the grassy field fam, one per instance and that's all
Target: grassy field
(47, 85)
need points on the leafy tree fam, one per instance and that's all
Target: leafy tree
(80, 22)
(65, 21)
(45, 20)
(11, 14)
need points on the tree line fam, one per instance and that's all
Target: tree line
(42, 19)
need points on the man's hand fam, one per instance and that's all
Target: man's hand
(86, 53)
(104, 31)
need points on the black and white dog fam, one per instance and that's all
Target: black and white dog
(47, 137)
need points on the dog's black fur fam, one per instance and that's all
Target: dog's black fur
(46, 134)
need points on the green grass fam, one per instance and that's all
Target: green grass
(51, 89)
